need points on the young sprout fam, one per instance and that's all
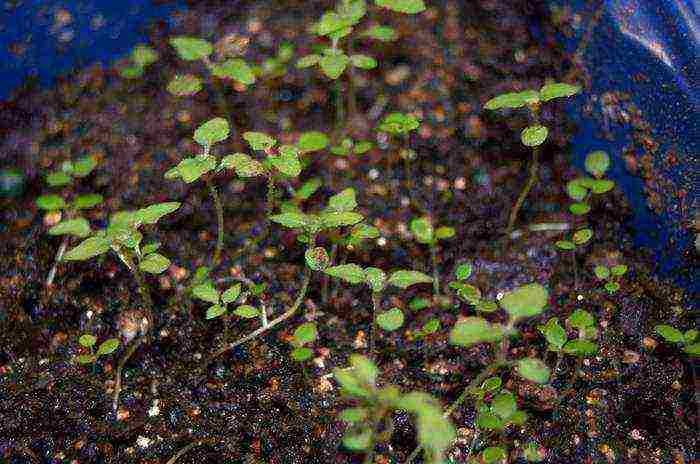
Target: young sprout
(219, 301)
(400, 125)
(578, 239)
(423, 232)
(469, 293)
(611, 275)
(70, 222)
(369, 422)
(191, 169)
(304, 335)
(88, 341)
(534, 135)
(558, 342)
(689, 339)
(581, 188)
(141, 57)
(275, 67)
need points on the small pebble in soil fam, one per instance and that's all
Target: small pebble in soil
(373, 174)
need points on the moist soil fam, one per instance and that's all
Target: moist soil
(633, 402)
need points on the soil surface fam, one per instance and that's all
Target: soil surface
(633, 402)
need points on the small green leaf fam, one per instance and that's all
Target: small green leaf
(612, 287)
(78, 227)
(154, 263)
(351, 273)
(86, 359)
(375, 278)
(504, 405)
(50, 202)
(259, 140)
(533, 369)
(493, 454)
(312, 141)
(565, 245)
(422, 230)
(463, 271)
(339, 219)
(364, 232)
(466, 292)
(84, 166)
(512, 100)
(87, 340)
(670, 334)
(246, 312)
(244, 165)
(308, 61)
(150, 248)
(343, 201)
(405, 278)
(692, 349)
(580, 348)
(601, 272)
(492, 384)
(390, 320)
(417, 303)
(430, 327)
(183, 85)
(87, 249)
(473, 330)
(600, 186)
(206, 292)
(305, 333)
(215, 311)
(398, 123)
(292, 220)
(317, 258)
(363, 61)
(534, 135)
(107, 347)
(131, 72)
(86, 201)
(230, 295)
(143, 55)
(579, 209)
(488, 421)
(402, 6)
(364, 369)
(302, 353)
(444, 232)
(331, 22)
(58, 179)
(333, 64)
(582, 236)
(576, 190)
(581, 319)
(597, 163)
(362, 147)
(554, 333)
(486, 306)
(359, 440)
(558, 90)
(690, 335)
(381, 33)
(287, 162)
(308, 188)
(525, 301)
(236, 69)
(191, 48)
(353, 415)
(618, 270)
(191, 169)
(153, 213)
(213, 131)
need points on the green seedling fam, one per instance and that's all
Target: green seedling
(191, 169)
(534, 135)
(347, 146)
(370, 421)
(468, 293)
(581, 188)
(424, 232)
(688, 340)
(200, 50)
(88, 341)
(304, 335)
(72, 223)
(140, 58)
(303, 193)
(399, 125)
(611, 275)
(276, 66)
(520, 303)
(577, 240)
(220, 302)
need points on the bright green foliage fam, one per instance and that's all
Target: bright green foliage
(532, 97)
(534, 135)
(435, 433)
(390, 320)
(473, 330)
(333, 62)
(206, 291)
(533, 369)
(192, 169)
(78, 227)
(532, 453)
(554, 333)
(578, 238)
(363, 61)
(429, 328)
(304, 334)
(398, 124)
(348, 146)
(558, 90)
(191, 48)
(235, 69)
(317, 258)
(87, 340)
(184, 85)
(259, 141)
(493, 455)
(525, 301)
(312, 141)
(243, 165)
(286, 161)
(463, 271)
(687, 339)
(351, 273)
(105, 348)
(584, 323)
(88, 248)
(612, 276)
(154, 263)
(381, 33)
(141, 57)
(402, 6)
(597, 163)
(375, 278)
(406, 278)
(213, 131)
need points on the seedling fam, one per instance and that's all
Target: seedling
(276, 66)
(581, 188)
(688, 340)
(534, 135)
(141, 57)
(469, 293)
(191, 169)
(578, 239)
(348, 146)
(304, 335)
(71, 223)
(424, 232)
(220, 300)
(611, 275)
(88, 341)
(400, 125)
(369, 423)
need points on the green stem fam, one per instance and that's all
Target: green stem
(219, 222)
(532, 178)
(59, 255)
(436, 274)
(339, 110)
(326, 279)
(376, 296)
(118, 373)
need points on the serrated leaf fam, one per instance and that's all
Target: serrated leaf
(312, 141)
(259, 140)
(107, 347)
(153, 213)
(213, 131)
(343, 201)
(339, 219)
(533, 369)
(243, 165)
(87, 340)
(381, 33)
(308, 61)
(236, 69)
(534, 135)
(50, 202)
(473, 330)
(58, 179)
(422, 230)
(525, 301)
(351, 273)
(670, 334)
(398, 123)
(333, 64)
(246, 312)
(558, 90)
(215, 311)
(390, 320)
(375, 278)
(363, 61)
(88, 248)
(79, 227)
(206, 292)
(154, 263)
(402, 6)
(86, 201)
(191, 48)
(230, 295)
(287, 162)
(292, 220)
(305, 333)
(183, 85)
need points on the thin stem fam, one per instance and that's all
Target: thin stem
(59, 255)
(573, 264)
(352, 99)
(436, 274)
(376, 296)
(118, 374)
(339, 109)
(326, 279)
(219, 222)
(534, 167)
(145, 295)
(184, 450)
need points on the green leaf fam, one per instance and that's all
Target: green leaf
(601, 272)
(191, 169)
(364, 370)
(308, 188)
(534, 135)
(150, 248)
(86, 201)
(444, 232)
(259, 140)
(183, 85)
(244, 165)
(312, 141)
(124, 236)
(305, 333)
(597, 163)
(504, 405)
(600, 186)
(619, 270)
(302, 353)
(206, 292)
(512, 100)
(58, 179)
(78, 227)
(154, 263)
(50, 202)
(191, 48)
(670, 334)
(362, 147)
(353, 415)
(131, 72)
(582, 236)
(579, 209)
(493, 454)
(580, 348)
(84, 166)
(375, 278)
(343, 201)
(317, 258)
(581, 319)
(87, 249)
(533, 369)
(351, 273)
(292, 220)
(417, 303)
(331, 22)
(398, 123)
(153, 213)
(532, 453)
(357, 440)
(690, 335)
(473, 330)
(333, 64)
(230, 295)
(381, 33)
(339, 219)
(86, 359)
(576, 190)
(486, 306)
(246, 312)
(565, 245)
(402, 6)
(87, 340)
(364, 232)
(488, 421)
(363, 61)
(107, 347)
(558, 90)
(492, 384)
(287, 162)
(554, 333)
(693, 349)
(422, 230)
(430, 327)
(405, 278)
(236, 69)
(390, 320)
(213, 131)
(143, 55)
(463, 271)
(612, 287)
(466, 292)
(308, 61)
(215, 311)
(525, 301)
